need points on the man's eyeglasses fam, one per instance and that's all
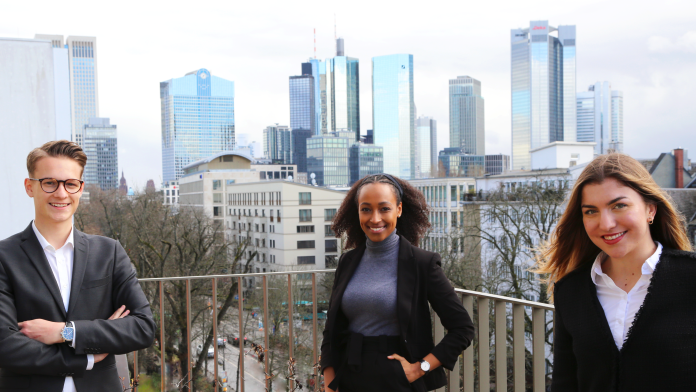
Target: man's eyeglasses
(50, 185)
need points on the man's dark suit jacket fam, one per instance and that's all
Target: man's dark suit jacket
(659, 353)
(420, 281)
(103, 280)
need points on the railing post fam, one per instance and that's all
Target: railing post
(518, 347)
(484, 346)
(438, 334)
(215, 346)
(135, 371)
(240, 303)
(189, 366)
(163, 377)
(538, 354)
(290, 327)
(468, 355)
(267, 371)
(314, 332)
(500, 347)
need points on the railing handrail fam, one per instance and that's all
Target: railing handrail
(251, 275)
(517, 301)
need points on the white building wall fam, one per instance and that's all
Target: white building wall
(27, 120)
(561, 155)
(61, 76)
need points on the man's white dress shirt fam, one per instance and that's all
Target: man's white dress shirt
(621, 307)
(61, 262)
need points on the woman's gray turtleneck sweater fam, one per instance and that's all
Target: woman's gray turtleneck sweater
(369, 301)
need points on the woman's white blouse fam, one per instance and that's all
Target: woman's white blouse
(620, 307)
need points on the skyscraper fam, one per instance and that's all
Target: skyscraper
(197, 120)
(342, 93)
(84, 92)
(600, 118)
(302, 102)
(298, 148)
(277, 144)
(424, 135)
(393, 112)
(543, 84)
(318, 69)
(101, 147)
(327, 159)
(365, 160)
(467, 130)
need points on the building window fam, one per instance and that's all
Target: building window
(329, 214)
(305, 216)
(328, 231)
(217, 185)
(257, 242)
(305, 198)
(331, 261)
(271, 243)
(263, 227)
(279, 215)
(217, 197)
(217, 211)
(331, 245)
(305, 229)
(305, 260)
(263, 242)
(257, 227)
(263, 259)
(305, 244)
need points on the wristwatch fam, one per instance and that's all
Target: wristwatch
(425, 366)
(68, 332)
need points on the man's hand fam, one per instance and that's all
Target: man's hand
(99, 357)
(119, 313)
(46, 332)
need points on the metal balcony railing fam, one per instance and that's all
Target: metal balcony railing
(462, 378)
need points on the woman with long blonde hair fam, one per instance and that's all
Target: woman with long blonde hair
(623, 278)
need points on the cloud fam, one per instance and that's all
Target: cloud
(686, 43)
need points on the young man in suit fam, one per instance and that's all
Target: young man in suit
(67, 299)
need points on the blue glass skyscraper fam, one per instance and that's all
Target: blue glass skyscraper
(393, 112)
(101, 146)
(543, 88)
(343, 95)
(197, 120)
(467, 130)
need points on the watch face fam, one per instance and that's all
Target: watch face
(68, 333)
(425, 366)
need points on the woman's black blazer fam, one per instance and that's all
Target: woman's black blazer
(420, 280)
(659, 353)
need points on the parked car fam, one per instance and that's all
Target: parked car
(235, 340)
(211, 352)
(221, 342)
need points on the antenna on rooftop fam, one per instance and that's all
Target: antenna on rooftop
(315, 43)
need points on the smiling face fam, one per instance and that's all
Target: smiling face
(378, 210)
(58, 207)
(616, 219)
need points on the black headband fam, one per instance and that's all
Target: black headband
(393, 181)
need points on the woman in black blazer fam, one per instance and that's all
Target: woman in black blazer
(625, 284)
(378, 334)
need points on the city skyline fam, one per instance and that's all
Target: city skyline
(650, 67)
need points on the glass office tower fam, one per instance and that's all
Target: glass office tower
(343, 95)
(327, 159)
(197, 120)
(302, 102)
(277, 144)
(319, 75)
(543, 80)
(424, 134)
(393, 112)
(467, 130)
(600, 118)
(101, 147)
(365, 160)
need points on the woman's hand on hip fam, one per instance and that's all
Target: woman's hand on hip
(413, 370)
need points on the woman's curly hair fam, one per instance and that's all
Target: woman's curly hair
(412, 224)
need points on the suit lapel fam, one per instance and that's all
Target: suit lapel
(351, 264)
(405, 284)
(79, 267)
(31, 246)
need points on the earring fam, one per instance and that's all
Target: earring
(651, 220)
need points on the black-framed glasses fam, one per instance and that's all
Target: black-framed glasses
(50, 185)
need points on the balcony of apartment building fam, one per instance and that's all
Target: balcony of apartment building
(277, 326)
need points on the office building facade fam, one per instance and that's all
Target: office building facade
(277, 143)
(543, 85)
(424, 139)
(365, 160)
(600, 118)
(497, 164)
(454, 163)
(327, 159)
(343, 95)
(198, 120)
(302, 103)
(100, 144)
(393, 112)
(298, 147)
(466, 114)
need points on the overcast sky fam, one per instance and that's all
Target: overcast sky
(645, 49)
